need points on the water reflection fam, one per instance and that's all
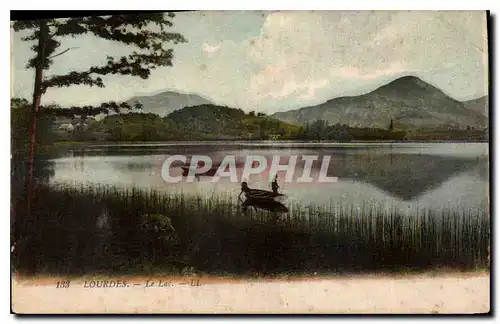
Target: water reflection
(272, 206)
(404, 175)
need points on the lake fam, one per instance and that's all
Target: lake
(406, 176)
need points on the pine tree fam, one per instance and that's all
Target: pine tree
(146, 34)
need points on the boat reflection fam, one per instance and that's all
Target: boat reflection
(272, 206)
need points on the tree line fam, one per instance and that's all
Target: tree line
(203, 122)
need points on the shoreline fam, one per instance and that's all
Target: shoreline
(69, 145)
(243, 141)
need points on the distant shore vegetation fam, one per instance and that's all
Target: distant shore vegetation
(211, 122)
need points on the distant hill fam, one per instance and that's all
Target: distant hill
(164, 103)
(480, 105)
(408, 101)
(218, 122)
(204, 122)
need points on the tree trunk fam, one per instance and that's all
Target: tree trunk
(26, 258)
(37, 93)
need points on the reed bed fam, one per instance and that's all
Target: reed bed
(102, 229)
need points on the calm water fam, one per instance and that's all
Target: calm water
(407, 176)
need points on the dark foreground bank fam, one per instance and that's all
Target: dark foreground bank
(80, 231)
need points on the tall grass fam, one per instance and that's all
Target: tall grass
(88, 230)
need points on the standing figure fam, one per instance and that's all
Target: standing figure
(275, 185)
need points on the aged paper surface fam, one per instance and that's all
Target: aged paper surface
(251, 162)
(454, 294)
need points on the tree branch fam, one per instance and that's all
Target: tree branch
(72, 78)
(135, 64)
(104, 108)
(51, 57)
(131, 29)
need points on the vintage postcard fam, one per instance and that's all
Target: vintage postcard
(249, 162)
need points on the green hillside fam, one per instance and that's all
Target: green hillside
(204, 122)
(217, 122)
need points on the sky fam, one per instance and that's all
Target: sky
(276, 61)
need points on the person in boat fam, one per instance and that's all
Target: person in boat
(244, 189)
(257, 193)
(275, 185)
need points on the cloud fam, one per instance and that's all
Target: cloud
(209, 49)
(349, 72)
(302, 52)
(279, 82)
(281, 60)
(297, 50)
(312, 87)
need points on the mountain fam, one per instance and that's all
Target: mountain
(407, 101)
(480, 105)
(164, 103)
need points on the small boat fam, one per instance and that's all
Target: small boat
(258, 194)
